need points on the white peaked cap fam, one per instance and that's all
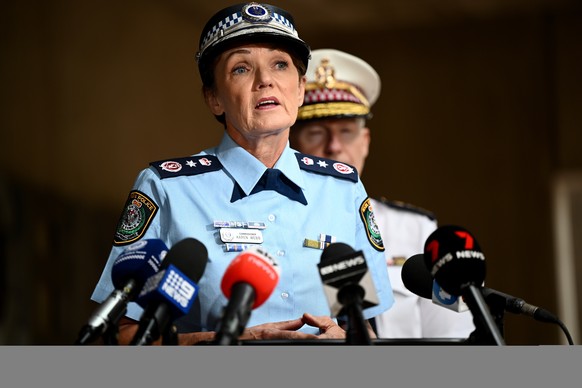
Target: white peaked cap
(339, 85)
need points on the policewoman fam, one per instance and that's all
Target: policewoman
(340, 92)
(252, 64)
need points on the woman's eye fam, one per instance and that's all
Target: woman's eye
(239, 70)
(282, 64)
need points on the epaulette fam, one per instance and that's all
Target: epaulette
(407, 207)
(327, 167)
(189, 165)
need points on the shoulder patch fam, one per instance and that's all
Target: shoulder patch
(138, 213)
(326, 167)
(372, 229)
(407, 207)
(190, 165)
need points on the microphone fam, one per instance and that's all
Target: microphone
(129, 273)
(500, 301)
(170, 293)
(454, 259)
(248, 282)
(518, 306)
(349, 288)
(415, 276)
(417, 279)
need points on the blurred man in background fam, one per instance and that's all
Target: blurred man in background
(340, 92)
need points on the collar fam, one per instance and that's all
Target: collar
(246, 170)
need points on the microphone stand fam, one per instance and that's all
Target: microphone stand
(110, 335)
(236, 315)
(170, 336)
(486, 332)
(351, 296)
(497, 309)
(153, 326)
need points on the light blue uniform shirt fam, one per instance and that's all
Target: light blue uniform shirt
(188, 205)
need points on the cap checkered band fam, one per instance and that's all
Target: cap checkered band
(225, 24)
(236, 22)
(284, 21)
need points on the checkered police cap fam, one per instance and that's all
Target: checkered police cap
(338, 85)
(248, 22)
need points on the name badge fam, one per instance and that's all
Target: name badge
(232, 235)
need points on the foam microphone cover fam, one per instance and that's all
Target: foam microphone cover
(416, 277)
(190, 256)
(336, 251)
(138, 261)
(454, 258)
(253, 267)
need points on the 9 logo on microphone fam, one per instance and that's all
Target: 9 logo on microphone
(179, 288)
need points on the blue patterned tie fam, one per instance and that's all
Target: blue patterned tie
(273, 179)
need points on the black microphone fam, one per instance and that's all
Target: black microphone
(129, 273)
(518, 306)
(349, 288)
(499, 300)
(415, 276)
(417, 279)
(170, 293)
(454, 259)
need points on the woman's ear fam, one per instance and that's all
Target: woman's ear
(301, 95)
(213, 102)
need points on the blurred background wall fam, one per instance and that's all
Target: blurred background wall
(479, 120)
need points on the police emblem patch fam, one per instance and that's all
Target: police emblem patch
(256, 13)
(137, 215)
(367, 214)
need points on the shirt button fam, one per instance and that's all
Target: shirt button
(280, 253)
(284, 295)
(272, 217)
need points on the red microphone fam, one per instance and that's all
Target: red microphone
(248, 282)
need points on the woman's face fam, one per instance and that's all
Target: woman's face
(258, 88)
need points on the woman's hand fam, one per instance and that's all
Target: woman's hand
(327, 326)
(288, 330)
(276, 330)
